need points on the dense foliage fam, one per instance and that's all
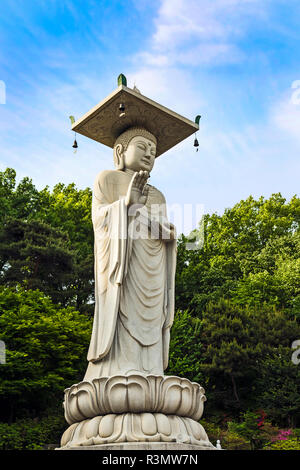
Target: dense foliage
(45, 350)
(46, 239)
(237, 314)
(250, 255)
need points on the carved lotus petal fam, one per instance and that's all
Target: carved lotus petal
(172, 399)
(163, 425)
(139, 427)
(106, 426)
(87, 399)
(168, 395)
(118, 398)
(185, 405)
(137, 397)
(92, 427)
(148, 423)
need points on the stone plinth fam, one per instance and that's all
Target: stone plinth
(136, 393)
(150, 446)
(135, 409)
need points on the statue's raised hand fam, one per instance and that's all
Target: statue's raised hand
(137, 192)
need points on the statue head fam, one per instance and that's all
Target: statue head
(135, 149)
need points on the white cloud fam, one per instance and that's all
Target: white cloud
(36, 137)
(201, 54)
(178, 21)
(172, 87)
(260, 158)
(201, 31)
(286, 116)
(230, 164)
(256, 156)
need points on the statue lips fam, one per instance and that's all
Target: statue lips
(145, 161)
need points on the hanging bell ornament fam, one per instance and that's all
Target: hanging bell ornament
(75, 145)
(197, 121)
(122, 110)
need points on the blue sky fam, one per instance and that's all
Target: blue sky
(232, 61)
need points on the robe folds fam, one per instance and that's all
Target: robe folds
(134, 282)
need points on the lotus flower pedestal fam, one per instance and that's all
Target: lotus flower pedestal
(135, 411)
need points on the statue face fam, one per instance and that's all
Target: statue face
(140, 154)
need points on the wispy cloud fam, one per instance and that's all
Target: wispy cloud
(286, 114)
(192, 56)
(202, 31)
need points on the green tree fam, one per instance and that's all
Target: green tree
(69, 209)
(277, 385)
(66, 209)
(38, 255)
(236, 343)
(241, 256)
(185, 347)
(276, 279)
(46, 350)
(21, 201)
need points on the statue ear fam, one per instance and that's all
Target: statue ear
(119, 157)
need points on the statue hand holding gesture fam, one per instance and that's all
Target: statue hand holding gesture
(137, 192)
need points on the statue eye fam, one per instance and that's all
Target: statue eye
(142, 146)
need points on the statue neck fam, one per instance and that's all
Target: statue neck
(129, 172)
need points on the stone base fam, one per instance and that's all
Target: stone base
(168, 446)
(135, 393)
(135, 428)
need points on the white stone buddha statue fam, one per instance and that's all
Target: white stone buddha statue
(135, 258)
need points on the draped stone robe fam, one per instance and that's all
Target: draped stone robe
(134, 283)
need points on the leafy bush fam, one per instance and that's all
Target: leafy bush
(229, 440)
(234, 441)
(254, 429)
(213, 431)
(290, 444)
(32, 434)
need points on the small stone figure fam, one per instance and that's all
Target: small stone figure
(218, 445)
